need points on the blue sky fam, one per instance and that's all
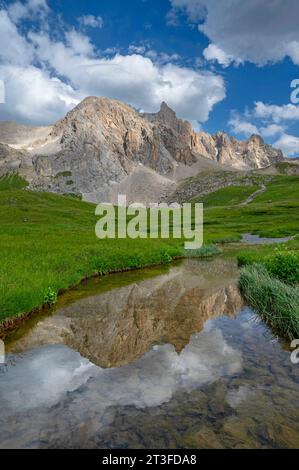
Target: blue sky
(224, 65)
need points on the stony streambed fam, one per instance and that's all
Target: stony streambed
(160, 358)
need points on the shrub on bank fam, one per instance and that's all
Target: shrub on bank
(282, 263)
(205, 251)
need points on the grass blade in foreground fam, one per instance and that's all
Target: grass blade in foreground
(276, 302)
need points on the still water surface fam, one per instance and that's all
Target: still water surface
(160, 358)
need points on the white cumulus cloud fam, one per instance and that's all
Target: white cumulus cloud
(30, 9)
(241, 126)
(275, 112)
(19, 50)
(69, 69)
(259, 31)
(289, 144)
(91, 21)
(79, 43)
(32, 96)
(214, 53)
(271, 130)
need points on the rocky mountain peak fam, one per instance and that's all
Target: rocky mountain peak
(103, 144)
(168, 117)
(96, 110)
(222, 138)
(166, 113)
(256, 139)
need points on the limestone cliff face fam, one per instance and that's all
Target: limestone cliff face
(103, 143)
(252, 153)
(177, 135)
(249, 154)
(13, 160)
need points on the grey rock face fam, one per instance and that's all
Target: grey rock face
(15, 161)
(102, 142)
(249, 154)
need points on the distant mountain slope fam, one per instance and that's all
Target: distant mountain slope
(19, 135)
(287, 167)
(103, 147)
(252, 153)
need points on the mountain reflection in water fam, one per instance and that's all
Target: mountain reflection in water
(116, 327)
(164, 362)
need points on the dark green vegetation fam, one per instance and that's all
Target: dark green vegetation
(204, 252)
(275, 301)
(48, 241)
(64, 174)
(287, 168)
(281, 263)
(270, 276)
(230, 196)
(14, 181)
(274, 213)
(269, 281)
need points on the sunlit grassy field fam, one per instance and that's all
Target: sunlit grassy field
(229, 196)
(48, 241)
(275, 213)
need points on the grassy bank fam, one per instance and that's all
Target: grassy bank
(275, 301)
(281, 262)
(271, 214)
(230, 196)
(48, 241)
(270, 274)
(48, 244)
(269, 280)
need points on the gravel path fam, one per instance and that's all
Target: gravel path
(253, 195)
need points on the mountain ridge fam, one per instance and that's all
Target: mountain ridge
(103, 145)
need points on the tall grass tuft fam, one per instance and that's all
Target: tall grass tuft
(282, 263)
(276, 302)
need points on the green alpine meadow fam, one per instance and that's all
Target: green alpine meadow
(48, 241)
(149, 231)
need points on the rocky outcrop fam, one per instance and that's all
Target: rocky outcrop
(103, 144)
(249, 154)
(15, 161)
(252, 153)
(177, 135)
